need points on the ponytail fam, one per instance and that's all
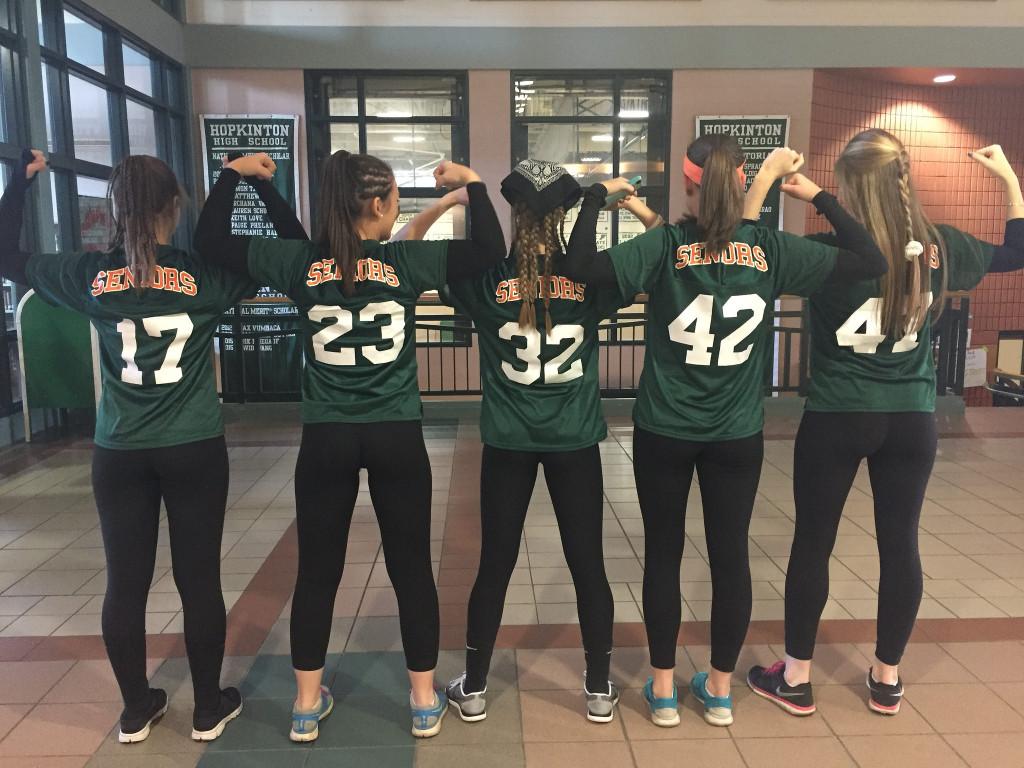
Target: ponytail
(348, 182)
(721, 191)
(141, 196)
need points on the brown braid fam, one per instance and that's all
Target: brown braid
(536, 238)
(141, 195)
(912, 286)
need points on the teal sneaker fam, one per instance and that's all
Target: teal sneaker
(306, 725)
(717, 709)
(664, 712)
(426, 721)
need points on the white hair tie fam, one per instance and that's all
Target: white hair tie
(913, 250)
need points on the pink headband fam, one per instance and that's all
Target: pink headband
(695, 173)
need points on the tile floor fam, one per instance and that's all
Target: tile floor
(965, 695)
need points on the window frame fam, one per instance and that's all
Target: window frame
(57, 68)
(617, 78)
(318, 124)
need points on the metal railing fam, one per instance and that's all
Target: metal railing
(449, 364)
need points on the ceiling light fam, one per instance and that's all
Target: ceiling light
(526, 82)
(634, 113)
(591, 159)
(601, 138)
(944, 78)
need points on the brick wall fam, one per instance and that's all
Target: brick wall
(939, 125)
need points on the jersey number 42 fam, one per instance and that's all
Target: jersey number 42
(692, 328)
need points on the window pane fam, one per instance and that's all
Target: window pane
(335, 96)
(401, 97)
(584, 150)
(138, 70)
(6, 15)
(563, 97)
(84, 42)
(413, 151)
(50, 76)
(451, 225)
(642, 98)
(344, 137)
(141, 130)
(93, 213)
(640, 156)
(90, 117)
(41, 28)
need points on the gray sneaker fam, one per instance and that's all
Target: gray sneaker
(601, 706)
(472, 707)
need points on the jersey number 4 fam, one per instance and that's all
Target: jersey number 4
(869, 317)
(169, 372)
(392, 330)
(700, 340)
(530, 354)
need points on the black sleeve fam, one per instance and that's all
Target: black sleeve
(213, 239)
(13, 261)
(1009, 256)
(583, 262)
(486, 244)
(859, 256)
(285, 220)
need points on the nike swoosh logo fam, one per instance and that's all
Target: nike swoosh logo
(788, 695)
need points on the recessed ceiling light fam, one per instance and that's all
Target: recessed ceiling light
(634, 113)
(590, 159)
(944, 78)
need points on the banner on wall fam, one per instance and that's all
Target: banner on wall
(758, 135)
(272, 364)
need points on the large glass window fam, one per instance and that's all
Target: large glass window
(106, 95)
(597, 126)
(411, 121)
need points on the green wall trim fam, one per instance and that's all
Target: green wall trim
(302, 47)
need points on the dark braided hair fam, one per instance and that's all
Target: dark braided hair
(349, 181)
(536, 237)
(141, 195)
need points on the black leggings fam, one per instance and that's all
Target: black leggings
(574, 481)
(326, 484)
(900, 449)
(728, 472)
(192, 480)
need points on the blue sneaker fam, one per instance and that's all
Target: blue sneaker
(426, 721)
(306, 725)
(717, 709)
(664, 712)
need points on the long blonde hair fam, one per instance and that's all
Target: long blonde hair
(536, 237)
(874, 179)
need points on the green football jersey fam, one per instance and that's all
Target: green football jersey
(854, 366)
(709, 321)
(541, 391)
(156, 372)
(360, 351)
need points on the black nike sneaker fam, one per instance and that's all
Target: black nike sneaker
(770, 683)
(135, 726)
(885, 699)
(207, 726)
